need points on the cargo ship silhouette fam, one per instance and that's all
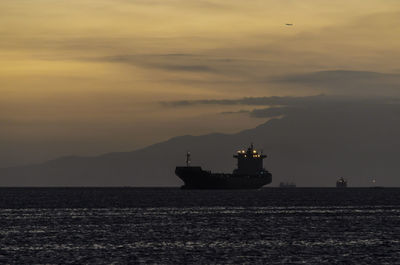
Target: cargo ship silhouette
(249, 174)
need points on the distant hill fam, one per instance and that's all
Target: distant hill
(310, 145)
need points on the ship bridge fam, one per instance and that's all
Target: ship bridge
(249, 161)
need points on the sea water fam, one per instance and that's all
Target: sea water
(173, 226)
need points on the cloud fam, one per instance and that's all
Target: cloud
(251, 101)
(331, 105)
(341, 77)
(283, 106)
(269, 112)
(235, 112)
(324, 76)
(347, 82)
(168, 62)
(230, 62)
(189, 68)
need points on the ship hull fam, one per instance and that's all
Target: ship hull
(196, 178)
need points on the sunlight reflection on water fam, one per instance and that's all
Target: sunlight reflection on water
(207, 234)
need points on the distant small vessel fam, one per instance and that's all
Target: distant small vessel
(341, 183)
(250, 173)
(287, 185)
(375, 186)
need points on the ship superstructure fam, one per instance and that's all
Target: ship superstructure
(249, 162)
(249, 174)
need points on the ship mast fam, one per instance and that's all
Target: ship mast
(188, 160)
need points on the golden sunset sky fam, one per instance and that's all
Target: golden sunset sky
(89, 76)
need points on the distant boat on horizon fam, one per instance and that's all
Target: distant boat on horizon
(341, 183)
(287, 185)
(375, 186)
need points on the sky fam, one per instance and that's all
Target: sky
(93, 76)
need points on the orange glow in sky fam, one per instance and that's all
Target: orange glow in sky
(86, 77)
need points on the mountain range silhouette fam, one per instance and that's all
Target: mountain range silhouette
(311, 145)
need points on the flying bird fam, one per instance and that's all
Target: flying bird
(289, 24)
